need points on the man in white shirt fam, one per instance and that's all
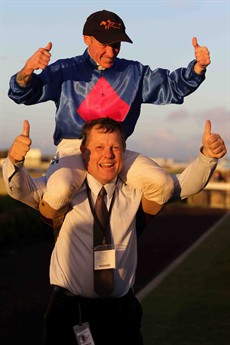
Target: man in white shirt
(116, 318)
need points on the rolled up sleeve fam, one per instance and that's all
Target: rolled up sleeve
(194, 178)
(20, 185)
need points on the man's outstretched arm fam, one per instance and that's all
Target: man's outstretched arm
(18, 182)
(196, 176)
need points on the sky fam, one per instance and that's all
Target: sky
(162, 33)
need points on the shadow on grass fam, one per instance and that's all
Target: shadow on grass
(18, 223)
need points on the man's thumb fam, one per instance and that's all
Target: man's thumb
(207, 129)
(26, 128)
(48, 46)
(194, 42)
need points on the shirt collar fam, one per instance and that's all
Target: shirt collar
(96, 186)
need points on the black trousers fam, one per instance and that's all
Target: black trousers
(112, 321)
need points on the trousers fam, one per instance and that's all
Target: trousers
(113, 321)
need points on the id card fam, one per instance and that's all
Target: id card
(83, 334)
(104, 257)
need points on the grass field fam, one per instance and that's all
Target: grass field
(192, 305)
(18, 223)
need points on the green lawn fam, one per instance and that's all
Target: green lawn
(192, 305)
(18, 223)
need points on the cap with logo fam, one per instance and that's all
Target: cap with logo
(107, 27)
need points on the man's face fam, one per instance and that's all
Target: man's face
(103, 155)
(103, 54)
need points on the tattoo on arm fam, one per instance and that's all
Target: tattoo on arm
(23, 79)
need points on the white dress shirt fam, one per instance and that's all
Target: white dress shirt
(72, 258)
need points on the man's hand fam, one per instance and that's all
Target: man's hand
(40, 59)
(213, 144)
(21, 145)
(202, 56)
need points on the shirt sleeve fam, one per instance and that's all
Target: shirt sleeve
(194, 178)
(164, 87)
(25, 95)
(21, 186)
(45, 86)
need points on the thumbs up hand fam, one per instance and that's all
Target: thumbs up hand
(213, 144)
(202, 56)
(40, 59)
(21, 145)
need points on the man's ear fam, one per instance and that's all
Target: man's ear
(87, 40)
(84, 153)
(82, 148)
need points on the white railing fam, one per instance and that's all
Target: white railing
(215, 194)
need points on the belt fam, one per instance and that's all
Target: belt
(62, 291)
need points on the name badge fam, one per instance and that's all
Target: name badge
(104, 257)
(83, 334)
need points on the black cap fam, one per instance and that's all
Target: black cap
(107, 27)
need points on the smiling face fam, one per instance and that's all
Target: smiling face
(103, 54)
(103, 154)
